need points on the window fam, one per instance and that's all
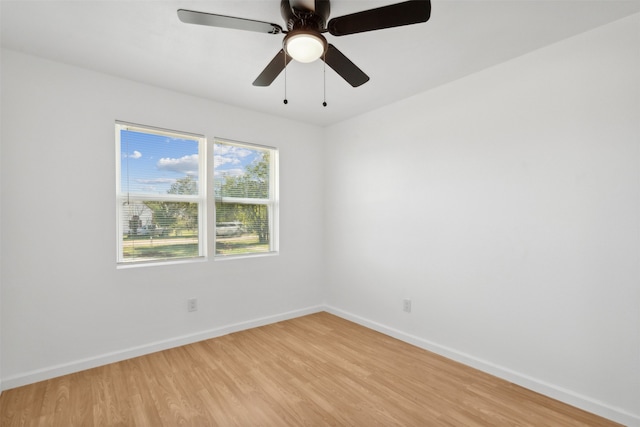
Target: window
(161, 194)
(246, 198)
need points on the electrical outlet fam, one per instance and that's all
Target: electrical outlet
(406, 305)
(192, 304)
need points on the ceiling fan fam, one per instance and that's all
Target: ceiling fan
(306, 21)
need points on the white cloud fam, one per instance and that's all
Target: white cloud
(231, 150)
(229, 172)
(219, 160)
(156, 181)
(135, 155)
(229, 155)
(187, 165)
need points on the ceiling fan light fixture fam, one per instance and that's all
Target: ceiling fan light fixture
(305, 46)
(306, 21)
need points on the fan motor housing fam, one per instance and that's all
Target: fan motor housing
(298, 17)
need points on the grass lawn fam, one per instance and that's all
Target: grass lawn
(160, 251)
(240, 245)
(168, 248)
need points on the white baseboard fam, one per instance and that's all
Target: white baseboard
(117, 356)
(550, 390)
(555, 392)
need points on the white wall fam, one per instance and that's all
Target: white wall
(65, 305)
(1, 386)
(506, 205)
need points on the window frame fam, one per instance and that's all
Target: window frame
(272, 203)
(201, 198)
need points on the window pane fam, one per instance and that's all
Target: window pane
(159, 230)
(160, 198)
(241, 171)
(242, 229)
(244, 187)
(158, 164)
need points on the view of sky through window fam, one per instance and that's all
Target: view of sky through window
(152, 163)
(161, 202)
(232, 160)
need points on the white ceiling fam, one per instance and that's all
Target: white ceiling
(143, 40)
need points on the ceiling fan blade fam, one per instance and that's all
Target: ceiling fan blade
(213, 20)
(344, 67)
(395, 15)
(275, 67)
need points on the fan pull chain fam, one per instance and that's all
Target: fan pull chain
(324, 77)
(285, 78)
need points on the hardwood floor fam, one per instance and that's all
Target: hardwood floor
(315, 370)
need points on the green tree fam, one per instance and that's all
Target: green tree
(186, 185)
(177, 215)
(253, 184)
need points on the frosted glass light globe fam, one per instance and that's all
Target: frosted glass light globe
(305, 47)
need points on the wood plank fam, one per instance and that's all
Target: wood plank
(313, 370)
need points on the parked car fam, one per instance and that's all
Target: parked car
(227, 229)
(151, 230)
